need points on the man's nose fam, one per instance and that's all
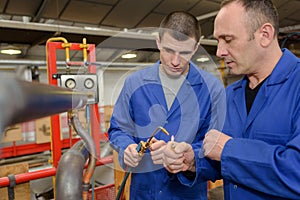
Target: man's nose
(175, 59)
(221, 51)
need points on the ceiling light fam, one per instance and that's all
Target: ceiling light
(155, 33)
(129, 55)
(11, 51)
(202, 58)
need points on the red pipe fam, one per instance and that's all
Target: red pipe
(105, 160)
(25, 177)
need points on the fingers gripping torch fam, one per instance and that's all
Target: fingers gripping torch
(141, 149)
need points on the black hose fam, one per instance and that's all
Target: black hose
(128, 172)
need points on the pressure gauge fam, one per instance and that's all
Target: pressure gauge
(89, 83)
(70, 83)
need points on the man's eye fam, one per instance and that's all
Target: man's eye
(169, 50)
(227, 39)
(185, 53)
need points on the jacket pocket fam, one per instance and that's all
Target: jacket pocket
(276, 138)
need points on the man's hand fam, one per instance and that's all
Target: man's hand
(157, 147)
(131, 156)
(178, 157)
(214, 143)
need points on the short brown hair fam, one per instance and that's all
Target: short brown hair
(182, 25)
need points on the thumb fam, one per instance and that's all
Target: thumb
(182, 147)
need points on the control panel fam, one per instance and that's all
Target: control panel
(82, 82)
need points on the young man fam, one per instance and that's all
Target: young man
(176, 95)
(259, 148)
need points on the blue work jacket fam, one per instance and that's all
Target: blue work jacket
(141, 108)
(263, 159)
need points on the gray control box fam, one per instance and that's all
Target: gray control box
(82, 82)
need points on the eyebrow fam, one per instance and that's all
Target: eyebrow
(180, 52)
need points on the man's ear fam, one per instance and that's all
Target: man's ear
(158, 43)
(196, 47)
(267, 34)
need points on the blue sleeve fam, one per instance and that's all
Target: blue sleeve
(121, 126)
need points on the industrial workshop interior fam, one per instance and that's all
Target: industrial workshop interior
(62, 67)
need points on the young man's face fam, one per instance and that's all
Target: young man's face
(175, 55)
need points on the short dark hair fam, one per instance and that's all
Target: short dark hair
(182, 25)
(258, 12)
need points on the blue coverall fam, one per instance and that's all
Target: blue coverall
(141, 107)
(263, 159)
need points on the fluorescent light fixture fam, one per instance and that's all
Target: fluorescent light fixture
(129, 55)
(155, 33)
(202, 58)
(11, 51)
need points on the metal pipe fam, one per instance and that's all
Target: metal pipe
(208, 15)
(25, 177)
(69, 173)
(92, 155)
(78, 63)
(74, 29)
(289, 28)
(22, 101)
(69, 181)
(65, 45)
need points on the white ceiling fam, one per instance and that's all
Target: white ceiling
(29, 23)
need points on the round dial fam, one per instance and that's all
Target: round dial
(70, 83)
(89, 83)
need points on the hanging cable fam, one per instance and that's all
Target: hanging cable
(141, 149)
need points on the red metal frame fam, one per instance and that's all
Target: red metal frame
(56, 145)
(52, 47)
(25, 149)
